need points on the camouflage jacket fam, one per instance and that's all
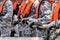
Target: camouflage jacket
(7, 9)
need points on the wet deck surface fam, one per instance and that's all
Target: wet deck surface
(23, 38)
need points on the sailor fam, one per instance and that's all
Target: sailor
(6, 11)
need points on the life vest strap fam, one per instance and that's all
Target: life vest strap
(22, 8)
(15, 4)
(1, 7)
(37, 10)
(55, 13)
(27, 9)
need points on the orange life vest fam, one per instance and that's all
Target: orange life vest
(51, 1)
(1, 7)
(37, 11)
(15, 4)
(28, 8)
(37, 14)
(22, 8)
(55, 12)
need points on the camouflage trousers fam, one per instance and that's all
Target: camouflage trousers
(23, 31)
(4, 30)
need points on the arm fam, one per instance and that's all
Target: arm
(54, 23)
(9, 12)
(9, 9)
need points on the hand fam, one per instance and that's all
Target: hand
(42, 27)
(34, 26)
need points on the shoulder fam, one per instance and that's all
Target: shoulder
(8, 2)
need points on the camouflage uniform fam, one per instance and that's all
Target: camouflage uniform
(25, 29)
(7, 12)
(46, 14)
(54, 33)
(42, 14)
